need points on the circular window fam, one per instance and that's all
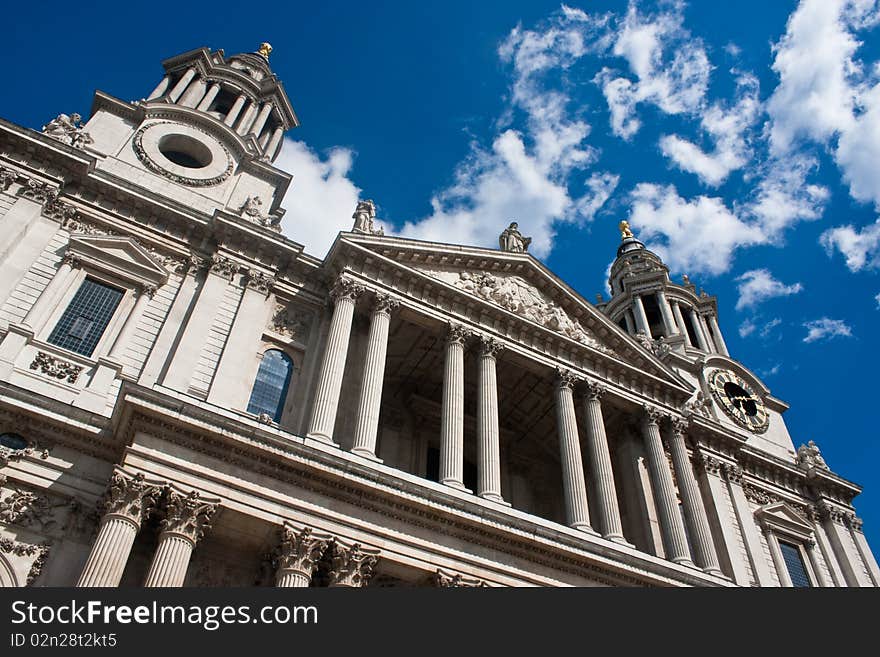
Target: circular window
(185, 151)
(13, 441)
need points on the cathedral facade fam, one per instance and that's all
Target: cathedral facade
(187, 398)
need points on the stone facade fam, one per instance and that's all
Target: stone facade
(444, 415)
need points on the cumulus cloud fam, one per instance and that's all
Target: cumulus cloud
(321, 199)
(860, 247)
(758, 327)
(825, 329)
(758, 285)
(747, 328)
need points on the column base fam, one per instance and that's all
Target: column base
(495, 497)
(620, 540)
(686, 562)
(321, 438)
(365, 453)
(717, 572)
(585, 528)
(457, 485)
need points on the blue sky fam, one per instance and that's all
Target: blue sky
(741, 140)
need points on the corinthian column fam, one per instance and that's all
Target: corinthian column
(344, 293)
(353, 566)
(577, 510)
(719, 339)
(671, 525)
(370, 400)
(126, 503)
(188, 517)
(488, 448)
(694, 510)
(600, 462)
(298, 555)
(452, 421)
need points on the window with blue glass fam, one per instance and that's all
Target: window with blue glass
(270, 388)
(794, 562)
(86, 318)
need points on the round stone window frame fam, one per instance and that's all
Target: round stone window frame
(146, 144)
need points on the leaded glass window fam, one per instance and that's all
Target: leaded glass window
(86, 318)
(270, 388)
(794, 562)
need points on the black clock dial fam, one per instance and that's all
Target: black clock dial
(737, 399)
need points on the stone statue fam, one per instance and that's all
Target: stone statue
(625, 232)
(252, 207)
(265, 49)
(364, 216)
(67, 129)
(511, 239)
(809, 456)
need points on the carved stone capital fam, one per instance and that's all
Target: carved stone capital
(345, 288)
(223, 266)
(490, 347)
(149, 290)
(352, 565)
(679, 425)
(40, 192)
(300, 550)
(257, 280)
(188, 514)
(7, 177)
(60, 211)
(71, 259)
(457, 334)
(385, 304)
(732, 472)
(653, 415)
(191, 265)
(566, 378)
(129, 496)
(854, 522)
(443, 579)
(594, 391)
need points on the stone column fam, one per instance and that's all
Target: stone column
(128, 500)
(488, 438)
(53, 292)
(698, 331)
(666, 313)
(274, 143)
(776, 555)
(297, 556)
(182, 84)
(833, 522)
(235, 110)
(213, 90)
(161, 88)
(353, 566)
(825, 547)
(671, 525)
(679, 319)
(821, 580)
(260, 121)
(855, 526)
(246, 118)
(134, 316)
(344, 293)
(719, 339)
(187, 518)
(577, 509)
(745, 518)
(452, 420)
(694, 510)
(707, 337)
(370, 402)
(627, 318)
(194, 93)
(640, 316)
(600, 465)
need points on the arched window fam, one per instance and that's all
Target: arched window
(13, 441)
(270, 388)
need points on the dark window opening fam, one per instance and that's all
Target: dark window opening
(691, 329)
(794, 563)
(655, 319)
(13, 441)
(86, 318)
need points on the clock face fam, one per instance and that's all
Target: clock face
(739, 401)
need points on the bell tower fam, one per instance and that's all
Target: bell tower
(207, 134)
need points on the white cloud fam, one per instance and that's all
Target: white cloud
(727, 127)
(877, 299)
(696, 235)
(752, 326)
(321, 199)
(670, 66)
(860, 248)
(747, 328)
(758, 285)
(769, 326)
(825, 328)
(771, 371)
(858, 150)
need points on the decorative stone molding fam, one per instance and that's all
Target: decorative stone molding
(71, 259)
(257, 280)
(708, 463)
(188, 515)
(698, 405)
(831, 512)
(73, 222)
(26, 508)
(809, 457)
(290, 322)
(68, 130)
(154, 166)
(40, 552)
(55, 367)
(444, 580)
(224, 266)
(8, 455)
(129, 496)
(345, 288)
(732, 473)
(520, 297)
(490, 347)
(7, 177)
(679, 425)
(352, 565)
(60, 211)
(854, 522)
(190, 265)
(300, 550)
(38, 191)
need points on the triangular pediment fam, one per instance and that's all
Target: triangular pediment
(783, 516)
(121, 255)
(518, 284)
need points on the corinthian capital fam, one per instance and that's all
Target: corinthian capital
(352, 565)
(490, 347)
(223, 266)
(300, 549)
(345, 288)
(679, 425)
(385, 303)
(257, 280)
(457, 334)
(130, 496)
(653, 415)
(594, 390)
(566, 378)
(188, 514)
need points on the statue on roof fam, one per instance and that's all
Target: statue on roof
(265, 49)
(809, 456)
(512, 241)
(364, 219)
(625, 232)
(68, 129)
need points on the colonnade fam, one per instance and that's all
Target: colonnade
(674, 322)
(568, 388)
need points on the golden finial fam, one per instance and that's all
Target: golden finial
(265, 49)
(625, 232)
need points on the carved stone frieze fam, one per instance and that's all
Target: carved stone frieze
(28, 509)
(291, 322)
(39, 552)
(516, 295)
(188, 514)
(443, 579)
(55, 367)
(352, 565)
(75, 223)
(38, 191)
